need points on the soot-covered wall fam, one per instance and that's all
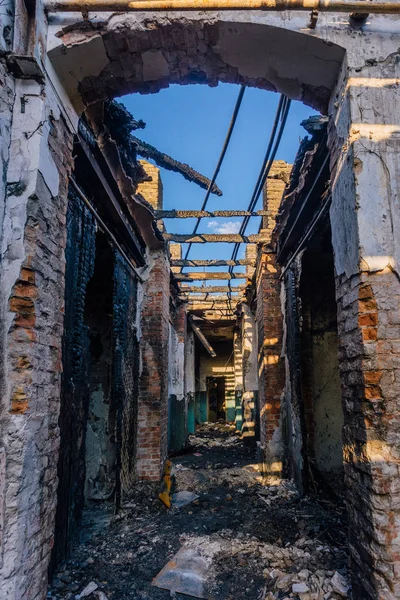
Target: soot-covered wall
(98, 418)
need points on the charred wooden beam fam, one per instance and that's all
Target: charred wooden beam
(202, 238)
(211, 263)
(205, 214)
(208, 298)
(200, 335)
(211, 289)
(222, 309)
(181, 277)
(169, 163)
(216, 275)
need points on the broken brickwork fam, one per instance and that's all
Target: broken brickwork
(35, 317)
(153, 386)
(270, 325)
(151, 189)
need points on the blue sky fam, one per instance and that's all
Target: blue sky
(190, 124)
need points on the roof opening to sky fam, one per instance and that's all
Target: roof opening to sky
(190, 124)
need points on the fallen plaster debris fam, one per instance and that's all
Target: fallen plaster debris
(89, 589)
(99, 595)
(185, 573)
(183, 498)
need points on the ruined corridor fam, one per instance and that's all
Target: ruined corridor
(200, 318)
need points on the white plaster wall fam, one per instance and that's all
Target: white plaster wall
(176, 365)
(190, 376)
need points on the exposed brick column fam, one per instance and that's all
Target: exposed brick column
(365, 232)
(152, 434)
(32, 301)
(269, 318)
(271, 367)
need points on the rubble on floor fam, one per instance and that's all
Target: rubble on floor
(261, 542)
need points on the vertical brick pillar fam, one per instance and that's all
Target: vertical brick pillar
(269, 318)
(152, 440)
(151, 190)
(271, 368)
(32, 307)
(365, 225)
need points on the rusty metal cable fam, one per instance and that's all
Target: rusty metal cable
(220, 160)
(282, 113)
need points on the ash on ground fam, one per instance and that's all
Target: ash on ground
(266, 542)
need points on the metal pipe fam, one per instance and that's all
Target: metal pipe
(344, 6)
(104, 227)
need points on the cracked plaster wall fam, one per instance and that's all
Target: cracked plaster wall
(32, 292)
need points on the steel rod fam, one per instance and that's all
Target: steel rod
(344, 6)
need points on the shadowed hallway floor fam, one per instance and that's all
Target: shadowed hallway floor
(266, 542)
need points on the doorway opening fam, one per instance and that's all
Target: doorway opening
(320, 385)
(216, 399)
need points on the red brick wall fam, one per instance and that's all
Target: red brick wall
(271, 367)
(153, 384)
(29, 429)
(369, 333)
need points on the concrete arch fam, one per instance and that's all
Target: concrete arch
(128, 53)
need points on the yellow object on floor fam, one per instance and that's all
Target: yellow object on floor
(167, 484)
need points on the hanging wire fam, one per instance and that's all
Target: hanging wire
(220, 161)
(281, 115)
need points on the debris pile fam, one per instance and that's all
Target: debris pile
(258, 542)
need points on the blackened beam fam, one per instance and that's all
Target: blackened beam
(114, 204)
(216, 275)
(205, 214)
(202, 338)
(169, 163)
(206, 298)
(211, 289)
(181, 277)
(211, 263)
(221, 309)
(104, 228)
(202, 238)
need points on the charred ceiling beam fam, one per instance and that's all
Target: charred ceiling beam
(205, 214)
(211, 263)
(92, 168)
(202, 238)
(208, 298)
(210, 289)
(216, 275)
(305, 199)
(202, 338)
(167, 162)
(181, 277)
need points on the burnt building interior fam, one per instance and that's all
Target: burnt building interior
(218, 427)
